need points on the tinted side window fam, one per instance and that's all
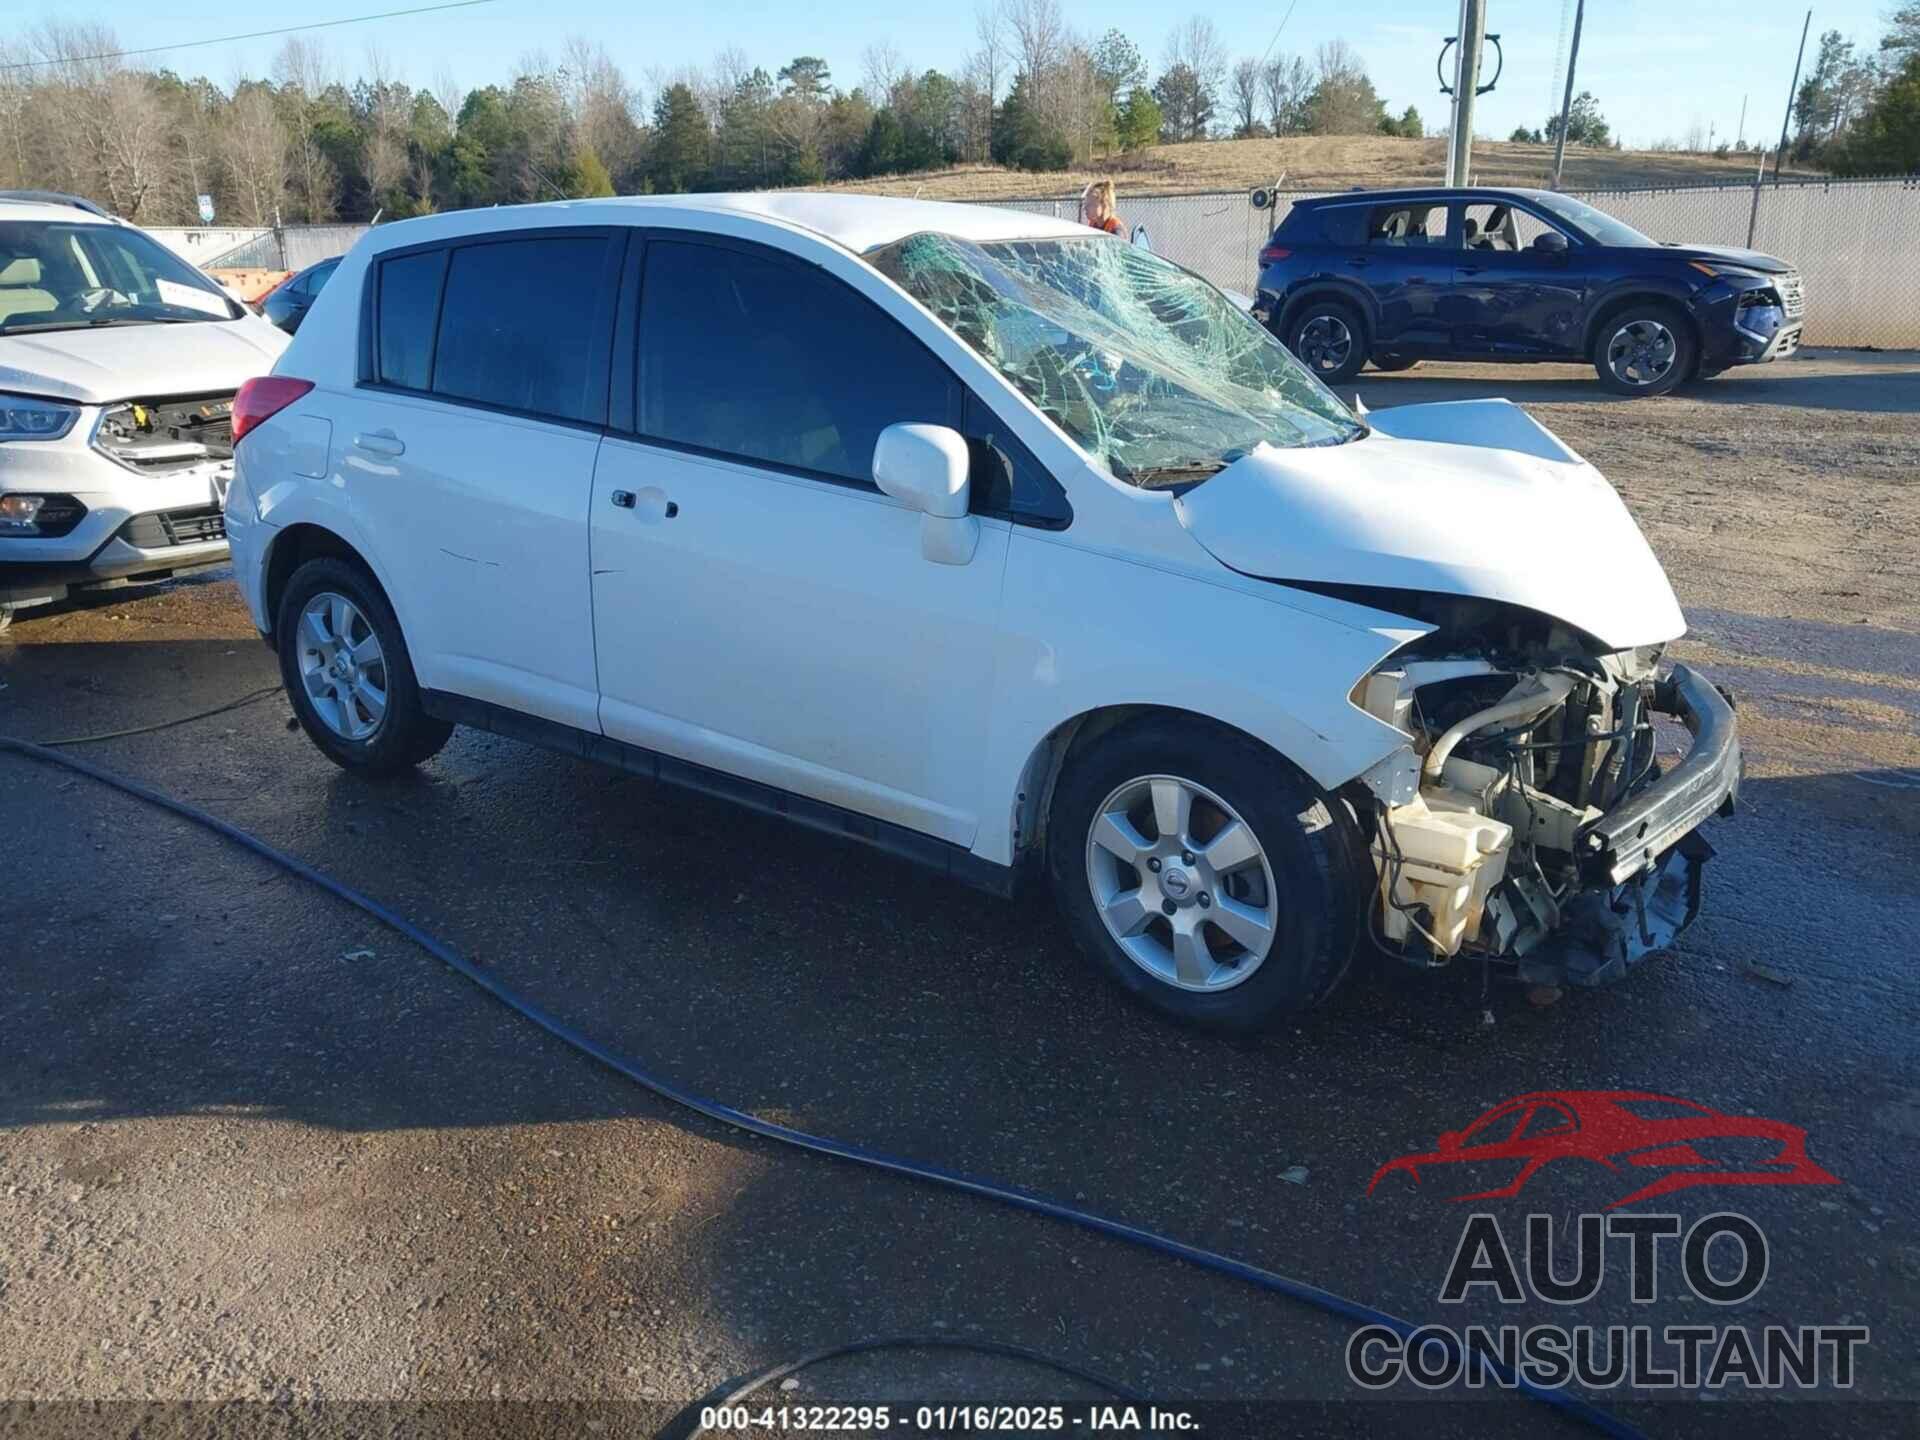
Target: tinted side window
(518, 325)
(317, 278)
(409, 304)
(1343, 224)
(1407, 225)
(1004, 478)
(751, 356)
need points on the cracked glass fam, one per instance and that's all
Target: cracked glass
(1157, 375)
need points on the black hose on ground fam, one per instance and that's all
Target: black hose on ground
(1563, 1401)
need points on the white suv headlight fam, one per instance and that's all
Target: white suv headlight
(24, 418)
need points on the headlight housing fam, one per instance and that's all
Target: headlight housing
(23, 417)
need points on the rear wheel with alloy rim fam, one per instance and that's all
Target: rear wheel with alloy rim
(345, 666)
(1328, 337)
(1204, 873)
(1644, 350)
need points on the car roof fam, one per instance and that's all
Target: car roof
(1439, 194)
(18, 207)
(857, 222)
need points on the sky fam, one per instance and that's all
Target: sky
(1658, 68)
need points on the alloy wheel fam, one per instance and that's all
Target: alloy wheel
(342, 666)
(1181, 883)
(1325, 343)
(1641, 353)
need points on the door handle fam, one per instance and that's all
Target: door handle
(1358, 262)
(1468, 269)
(657, 506)
(380, 442)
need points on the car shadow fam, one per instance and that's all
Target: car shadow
(1889, 389)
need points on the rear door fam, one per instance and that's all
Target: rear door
(468, 458)
(1512, 297)
(1401, 253)
(760, 606)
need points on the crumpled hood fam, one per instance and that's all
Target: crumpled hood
(1461, 498)
(129, 362)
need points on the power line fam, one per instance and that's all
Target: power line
(1276, 34)
(249, 35)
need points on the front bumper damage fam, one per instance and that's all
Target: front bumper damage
(1643, 860)
(1515, 845)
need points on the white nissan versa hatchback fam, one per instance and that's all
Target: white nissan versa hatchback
(988, 540)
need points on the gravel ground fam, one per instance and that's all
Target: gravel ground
(252, 1147)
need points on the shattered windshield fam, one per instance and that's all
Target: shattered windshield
(1155, 373)
(56, 276)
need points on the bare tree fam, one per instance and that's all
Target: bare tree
(600, 103)
(1286, 85)
(985, 75)
(1040, 41)
(1197, 45)
(305, 72)
(881, 71)
(253, 154)
(105, 127)
(452, 97)
(383, 154)
(1244, 87)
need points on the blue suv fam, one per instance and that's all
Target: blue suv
(1400, 276)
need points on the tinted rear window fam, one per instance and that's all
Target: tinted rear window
(518, 325)
(409, 301)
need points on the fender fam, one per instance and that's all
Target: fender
(1217, 649)
(1631, 290)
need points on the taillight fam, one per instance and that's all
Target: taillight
(263, 397)
(1273, 254)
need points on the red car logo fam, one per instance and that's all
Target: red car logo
(1687, 1143)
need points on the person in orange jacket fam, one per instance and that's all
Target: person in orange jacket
(1097, 208)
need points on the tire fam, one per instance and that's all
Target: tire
(1329, 338)
(1645, 349)
(333, 684)
(1114, 873)
(1392, 364)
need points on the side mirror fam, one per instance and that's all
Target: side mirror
(925, 466)
(1550, 241)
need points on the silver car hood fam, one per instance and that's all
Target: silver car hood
(125, 362)
(1470, 498)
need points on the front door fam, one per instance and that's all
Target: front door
(759, 606)
(1512, 297)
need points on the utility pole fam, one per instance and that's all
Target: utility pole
(1792, 90)
(1473, 37)
(1740, 138)
(1566, 100)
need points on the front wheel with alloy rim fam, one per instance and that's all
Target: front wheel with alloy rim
(1204, 873)
(346, 669)
(1644, 350)
(1329, 338)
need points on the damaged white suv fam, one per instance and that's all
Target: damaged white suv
(997, 544)
(118, 365)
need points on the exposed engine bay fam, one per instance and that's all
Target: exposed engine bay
(1530, 821)
(160, 436)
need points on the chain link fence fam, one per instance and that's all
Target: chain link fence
(1856, 242)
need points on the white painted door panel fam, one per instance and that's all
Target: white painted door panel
(481, 519)
(789, 630)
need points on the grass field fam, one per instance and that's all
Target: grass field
(1318, 162)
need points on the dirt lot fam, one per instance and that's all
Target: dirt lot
(253, 1147)
(1311, 162)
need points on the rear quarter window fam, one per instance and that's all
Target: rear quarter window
(1343, 224)
(408, 306)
